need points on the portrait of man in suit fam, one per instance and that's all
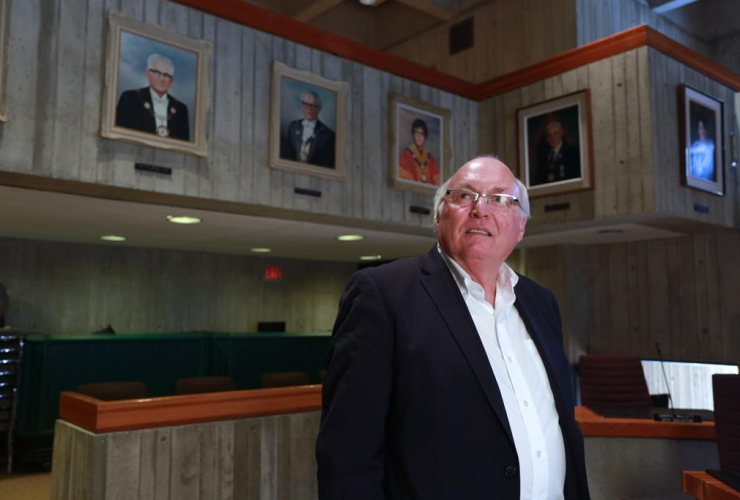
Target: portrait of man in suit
(447, 378)
(154, 109)
(308, 139)
(558, 157)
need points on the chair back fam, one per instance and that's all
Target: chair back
(613, 381)
(284, 379)
(113, 391)
(727, 420)
(199, 385)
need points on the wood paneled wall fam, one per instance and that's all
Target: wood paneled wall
(681, 292)
(509, 35)
(596, 19)
(727, 52)
(622, 136)
(77, 288)
(249, 459)
(54, 97)
(670, 197)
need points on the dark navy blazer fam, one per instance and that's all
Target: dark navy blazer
(411, 407)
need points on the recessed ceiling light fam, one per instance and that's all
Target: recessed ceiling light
(112, 237)
(371, 257)
(350, 237)
(368, 2)
(183, 219)
(260, 250)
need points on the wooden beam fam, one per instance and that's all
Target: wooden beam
(431, 9)
(315, 9)
(290, 29)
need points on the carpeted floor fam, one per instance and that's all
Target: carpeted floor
(29, 486)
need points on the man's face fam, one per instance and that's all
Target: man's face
(702, 131)
(160, 77)
(310, 107)
(554, 135)
(481, 232)
(419, 137)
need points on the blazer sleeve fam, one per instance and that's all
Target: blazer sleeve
(350, 449)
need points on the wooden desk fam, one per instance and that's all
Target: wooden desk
(703, 486)
(640, 458)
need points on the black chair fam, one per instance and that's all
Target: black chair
(727, 420)
(113, 391)
(609, 381)
(200, 385)
(284, 379)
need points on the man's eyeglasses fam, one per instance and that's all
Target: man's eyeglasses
(464, 199)
(309, 105)
(159, 74)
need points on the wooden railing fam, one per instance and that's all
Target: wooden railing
(111, 416)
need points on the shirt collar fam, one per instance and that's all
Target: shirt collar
(505, 282)
(156, 99)
(311, 123)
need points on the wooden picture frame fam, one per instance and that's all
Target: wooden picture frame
(702, 140)
(419, 152)
(144, 61)
(555, 146)
(4, 57)
(318, 148)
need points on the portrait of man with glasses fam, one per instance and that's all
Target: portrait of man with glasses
(308, 139)
(153, 109)
(447, 377)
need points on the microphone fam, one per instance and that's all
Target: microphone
(673, 416)
(665, 377)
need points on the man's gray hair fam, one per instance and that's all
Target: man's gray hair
(439, 196)
(314, 95)
(556, 124)
(159, 58)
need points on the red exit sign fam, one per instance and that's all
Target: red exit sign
(273, 272)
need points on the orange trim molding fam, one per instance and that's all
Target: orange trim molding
(255, 17)
(113, 416)
(703, 486)
(593, 425)
(243, 13)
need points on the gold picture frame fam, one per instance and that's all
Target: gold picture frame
(419, 153)
(307, 123)
(156, 89)
(555, 147)
(702, 140)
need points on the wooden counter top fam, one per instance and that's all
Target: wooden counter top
(593, 425)
(703, 486)
(110, 416)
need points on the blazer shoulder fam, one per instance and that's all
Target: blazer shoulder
(529, 287)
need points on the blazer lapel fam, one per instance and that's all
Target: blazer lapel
(443, 290)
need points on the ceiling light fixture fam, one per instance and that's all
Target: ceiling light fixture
(184, 219)
(369, 3)
(350, 237)
(112, 237)
(371, 257)
(261, 250)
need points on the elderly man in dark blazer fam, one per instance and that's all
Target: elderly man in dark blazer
(447, 378)
(309, 140)
(153, 109)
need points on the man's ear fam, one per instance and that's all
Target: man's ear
(522, 226)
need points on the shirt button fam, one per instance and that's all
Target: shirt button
(510, 471)
(539, 453)
(526, 404)
(509, 358)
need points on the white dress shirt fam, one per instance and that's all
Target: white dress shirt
(160, 107)
(522, 381)
(309, 126)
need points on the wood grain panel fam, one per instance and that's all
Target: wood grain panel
(77, 288)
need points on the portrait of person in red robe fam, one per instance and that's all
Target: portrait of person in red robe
(417, 163)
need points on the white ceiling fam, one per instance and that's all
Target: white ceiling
(42, 215)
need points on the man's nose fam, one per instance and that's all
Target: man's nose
(481, 208)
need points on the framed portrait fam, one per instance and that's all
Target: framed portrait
(701, 139)
(419, 145)
(156, 87)
(4, 56)
(307, 123)
(555, 145)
